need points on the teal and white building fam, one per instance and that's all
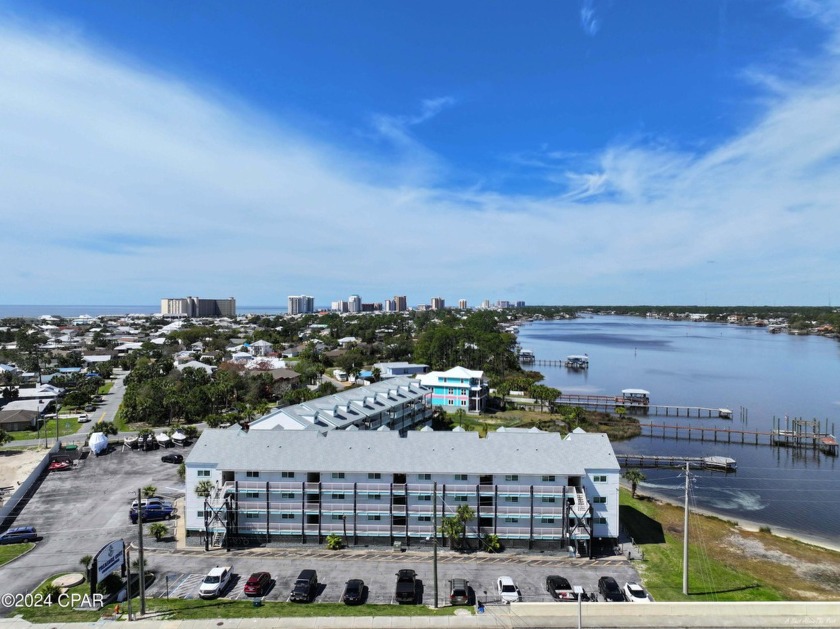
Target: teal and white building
(457, 388)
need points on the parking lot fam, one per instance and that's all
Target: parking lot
(378, 567)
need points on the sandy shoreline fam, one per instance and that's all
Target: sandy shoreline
(17, 465)
(747, 525)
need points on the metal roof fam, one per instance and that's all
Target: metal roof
(418, 452)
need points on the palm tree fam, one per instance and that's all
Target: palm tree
(635, 477)
(149, 491)
(464, 514)
(204, 488)
(158, 530)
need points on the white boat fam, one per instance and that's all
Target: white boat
(131, 442)
(179, 438)
(98, 443)
(162, 439)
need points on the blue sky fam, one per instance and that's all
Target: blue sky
(563, 152)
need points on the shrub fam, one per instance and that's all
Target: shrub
(158, 530)
(492, 544)
(334, 541)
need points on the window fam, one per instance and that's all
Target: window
(425, 497)
(600, 520)
(512, 478)
(549, 499)
(374, 476)
(338, 475)
(375, 496)
(287, 474)
(287, 495)
(337, 496)
(424, 518)
(547, 520)
(374, 518)
(461, 498)
(549, 479)
(200, 514)
(511, 498)
(599, 500)
(252, 474)
(337, 516)
(462, 476)
(201, 473)
(252, 494)
(287, 516)
(252, 516)
(599, 478)
(511, 519)
(424, 477)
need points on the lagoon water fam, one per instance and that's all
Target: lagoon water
(756, 374)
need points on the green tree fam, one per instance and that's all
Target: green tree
(635, 477)
(4, 437)
(464, 513)
(204, 488)
(149, 491)
(86, 561)
(106, 428)
(334, 541)
(158, 530)
(544, 395)
(451, 529)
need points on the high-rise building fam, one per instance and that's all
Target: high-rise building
(438, 303)
(401, 303)
(520, 304)
(462, 304)
(301, 304)
(354, 303)
(390, 306)
(503, 303)
(485, 304)
(197, 307)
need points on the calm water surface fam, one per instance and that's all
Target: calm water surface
(716, 365)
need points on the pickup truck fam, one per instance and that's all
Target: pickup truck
(406, 591)
(152, 511)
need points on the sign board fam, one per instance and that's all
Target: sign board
(109, 558)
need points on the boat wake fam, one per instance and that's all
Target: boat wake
(732, 500)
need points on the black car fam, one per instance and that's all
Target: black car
(172, 458)
(609, 590)
(406, 591)
(354, 592)
(305, 587)
(559, 588)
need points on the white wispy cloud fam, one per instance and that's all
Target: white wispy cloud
(589, 20)
(159, 187)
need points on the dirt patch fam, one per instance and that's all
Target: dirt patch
(17, 465)
(827, 575)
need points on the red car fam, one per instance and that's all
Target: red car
(257, 584)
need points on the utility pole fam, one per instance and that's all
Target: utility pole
(142, 566)
(685, 533)
(128, 581)
(435, 543)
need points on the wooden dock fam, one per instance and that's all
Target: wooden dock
(775, 438)
(608, 404)
(719, 463)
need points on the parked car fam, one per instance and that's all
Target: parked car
(508, 591)
(18, 535)
(152, 512)
(459, 592)
(305, 587)
(89, 408)
(151, 500)
(257, 584)
(406, 590)
(83, 418)
(354, 592)
(172, 458)
(60, 466)
(215, 582)
(609, 590)
(559, 588)
(635, 593)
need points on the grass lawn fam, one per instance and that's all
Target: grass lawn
(105, 388)
(726, 563)
(66, 426)
(11, 551)
(183, 609)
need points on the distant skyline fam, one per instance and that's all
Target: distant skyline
(555, 152)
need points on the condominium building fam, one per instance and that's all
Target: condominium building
(458, 388)
(400, 303)
(438, 303)
(301, 304)
(340, 306)
(462, 304)
(485, 304)
(399, 404)
(529, 488)
(197, 307)
(354, 303)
